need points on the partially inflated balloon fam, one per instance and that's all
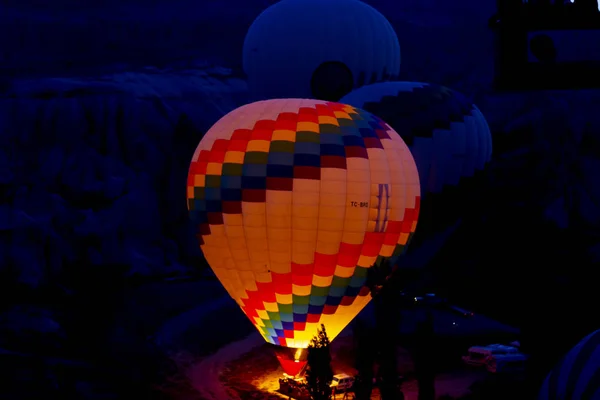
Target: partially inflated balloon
(294, 200)
(318, 48)
(447, 134)
(577, 375)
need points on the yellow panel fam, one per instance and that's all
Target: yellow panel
(234, 157)
(262, 314)
(326, 223)
(337, 175)
(217, 230)
(356, 165)
(322, 281)
(327, 248)
(353, 237)
(190, 191)
(256, 233)
(355, 225)
(279, 235)
(283, 298)
(307, 126)
(243, 264)
(272, 307)
(239, 253)
(332, 237)
(324, 119)
(280, 251)
(280, 134)
(387, 250)
(301, 290)
(371, 226)
(344, 272)
(233, 220)
(276, 221)
(366, 262)
(258, 322)
(258, 145)
(238, 245)
(235, 232)
(214, 169)
(306, 222)
(341, 115)
(306, 191)
(300, 257)
(303, 247)
(199, 180)
(263, 276)
(281, 267)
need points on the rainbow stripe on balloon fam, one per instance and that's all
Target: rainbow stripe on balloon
(294, 200)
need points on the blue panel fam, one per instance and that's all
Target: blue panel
(307, 148)
(199, 205)
(213, 206)
(279, 158)
(231, 182)
(286, 317)
(333, 150)
(300, 309)
(317, 300)
(276, 325)
(314, 309)
(231, 194)
(337, 291)
(254, 182)
(354, 141)
(352, 291)
(212, 193)
(300, 317)
(333, 301)
(255, 170)
(307, 160)
(367, 132)
(280, 171)
(288, 326)
(331, 138)
(279, 333)
(357, 281)
(349, 131)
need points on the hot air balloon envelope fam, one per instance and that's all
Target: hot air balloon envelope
(294, 201)
(318, 49)
(447, 135)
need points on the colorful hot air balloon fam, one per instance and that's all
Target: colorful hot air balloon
(318, 49)
(577, 376)
(447, 134)
(294, 201)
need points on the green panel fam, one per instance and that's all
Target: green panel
(307, 137)
(232, 169)
(340, 282)
(282, 146)
(256, 157)
(300, 300)
(212, 181)
(285, 308)
(319, 291)
(199, 193)
(273, 316)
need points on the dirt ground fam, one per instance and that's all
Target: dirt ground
(255, 375)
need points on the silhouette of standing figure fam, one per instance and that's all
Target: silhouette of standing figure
(424, 358)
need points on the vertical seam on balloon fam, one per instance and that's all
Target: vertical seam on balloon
(318, 217)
